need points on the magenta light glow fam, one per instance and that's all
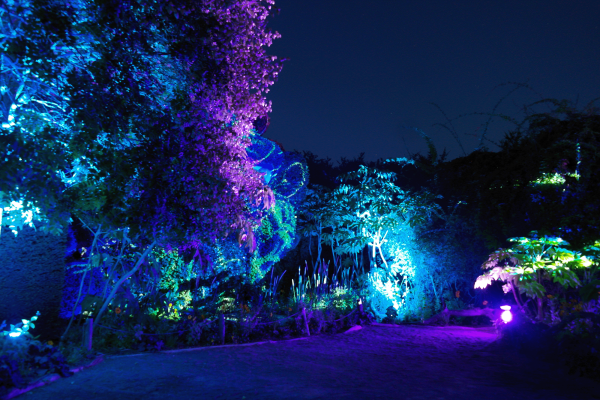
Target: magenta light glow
(506, 314)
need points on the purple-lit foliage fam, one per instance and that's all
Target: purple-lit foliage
(135, 117)
(193, 180)
(169, 110)
(145, 108)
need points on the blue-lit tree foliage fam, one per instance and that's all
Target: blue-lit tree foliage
(115, 115)
(286, 175)
(40, 45)
(134, 117)
(367, 214)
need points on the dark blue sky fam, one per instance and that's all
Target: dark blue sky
(360, 70)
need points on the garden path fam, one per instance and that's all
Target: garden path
(376, 362)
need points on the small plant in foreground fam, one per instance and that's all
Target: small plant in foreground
(23, 358)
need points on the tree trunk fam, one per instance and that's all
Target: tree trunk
(126, 276)
(222, 327)
(540, 307)
(305, 321)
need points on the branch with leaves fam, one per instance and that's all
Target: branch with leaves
(532, 262)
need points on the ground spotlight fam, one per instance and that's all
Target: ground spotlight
(506, 314)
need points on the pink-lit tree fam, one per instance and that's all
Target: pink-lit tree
(168, 112)
(184, 178)
(155, 117)
(114, 91)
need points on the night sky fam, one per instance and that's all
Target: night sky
(359, 71)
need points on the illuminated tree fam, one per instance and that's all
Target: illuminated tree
(135, 117)
(533, 263)
(172, 104)
(368, 212)
(193, 181)
(135, 112)
(148, 103)
(39, 46)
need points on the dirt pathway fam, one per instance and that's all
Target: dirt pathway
(408, 362)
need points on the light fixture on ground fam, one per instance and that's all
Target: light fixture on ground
(506, 314)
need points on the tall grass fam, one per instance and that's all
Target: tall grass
(271, 293)
(319, 288)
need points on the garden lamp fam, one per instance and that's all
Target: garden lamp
(506, 314)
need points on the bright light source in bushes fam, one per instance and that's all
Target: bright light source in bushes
(506, 314)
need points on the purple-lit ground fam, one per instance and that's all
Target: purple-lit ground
(408, 362)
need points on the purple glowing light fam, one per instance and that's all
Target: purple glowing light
(506, 314)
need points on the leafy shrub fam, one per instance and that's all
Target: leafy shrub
(534, 264)
(23, 358)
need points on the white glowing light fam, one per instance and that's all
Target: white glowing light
(506, 314)
(14, 334)
(366, 214)
(15, 220)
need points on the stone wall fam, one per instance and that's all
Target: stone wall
(32, 273)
